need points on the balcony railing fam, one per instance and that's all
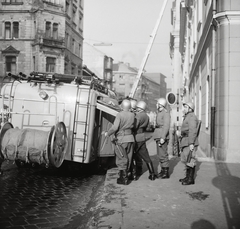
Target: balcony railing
(50, 42)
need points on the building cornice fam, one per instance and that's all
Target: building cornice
(226, 17)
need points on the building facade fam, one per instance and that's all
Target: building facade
(41, 36)
(209, 38)
(99, 63)
(150, 87)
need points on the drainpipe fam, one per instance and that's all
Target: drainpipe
(213, 106)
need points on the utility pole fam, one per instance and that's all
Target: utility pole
(152, 38)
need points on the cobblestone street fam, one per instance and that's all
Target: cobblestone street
(46, 198)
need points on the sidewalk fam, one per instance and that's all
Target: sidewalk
(212, 203)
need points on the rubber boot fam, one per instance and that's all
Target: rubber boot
(186, 177)
(132, 175)
(152, 175)
(123, 177)
(190, 179)
(165, 174)
(159, 175)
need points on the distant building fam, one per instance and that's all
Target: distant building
(41, 36)
(148, 90)
(99, 63)
(161, 79)
(205, 46)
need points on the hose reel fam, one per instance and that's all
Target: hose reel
(34, 146)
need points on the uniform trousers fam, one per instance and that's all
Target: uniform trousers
(162, 153)
(142, 151)
(123, 163)
(184, 156)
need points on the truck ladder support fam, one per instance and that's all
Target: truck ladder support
(152, 38)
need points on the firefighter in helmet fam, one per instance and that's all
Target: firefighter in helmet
(122, 129)
(161, 136)
(141, 123)
(137, 163)
(189, 142)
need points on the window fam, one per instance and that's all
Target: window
(73, 45)
(11, 30)
(34, 63)
(15, 29)
(7, 30)
(67, 7)
(48, 29)
(72, 70)
(66, 40)
(80, 50)
(80, 21)
(50, 65)
(55, 31)
(16, 2)
(200, 103)
(207, 103)
(11, 64)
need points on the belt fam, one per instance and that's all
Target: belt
(124, 132)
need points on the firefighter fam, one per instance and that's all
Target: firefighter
(189, 142)
(137, 163)
(161, 136)
(122, 129)
(140, 126)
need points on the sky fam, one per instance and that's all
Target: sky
(127, 25)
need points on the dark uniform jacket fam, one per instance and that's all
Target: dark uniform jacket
(162, 125)
(189, 130)
(141, 123)
(122, 127)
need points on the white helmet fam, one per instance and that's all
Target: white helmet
(142, 105)
(126, 105)
(162, 102)
(190, 104)
(133, 103)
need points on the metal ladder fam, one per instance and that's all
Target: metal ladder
(80, 123)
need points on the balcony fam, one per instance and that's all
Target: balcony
(50, 42)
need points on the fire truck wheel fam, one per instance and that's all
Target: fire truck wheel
(57, 144)
(6, 126)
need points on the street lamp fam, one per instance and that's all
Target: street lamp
(102, 44)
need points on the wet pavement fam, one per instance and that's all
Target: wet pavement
(47, 198)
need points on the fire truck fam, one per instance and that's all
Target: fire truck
(50, 118)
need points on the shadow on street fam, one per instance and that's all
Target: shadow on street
(229, 187)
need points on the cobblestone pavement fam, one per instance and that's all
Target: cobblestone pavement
(46, 198)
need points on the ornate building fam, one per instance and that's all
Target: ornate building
(207, 39)
(41, 36)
